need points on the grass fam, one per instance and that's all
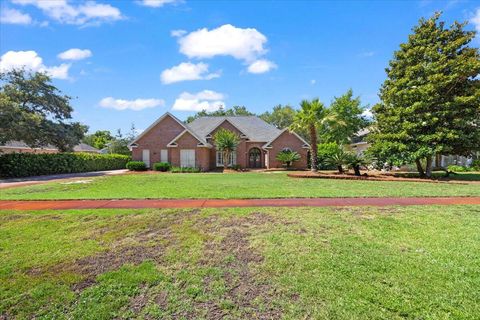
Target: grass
(225, 186)
(286, 263)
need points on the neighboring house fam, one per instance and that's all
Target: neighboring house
(21, 147)
(191, 145)
(359, 145)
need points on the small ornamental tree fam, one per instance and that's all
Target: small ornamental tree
(310, 117)
(288, 157)
(226, 142)
(430, 102)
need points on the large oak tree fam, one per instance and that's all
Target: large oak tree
(34, 111)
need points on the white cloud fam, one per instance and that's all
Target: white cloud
(75, 54)
(136, 105)
(313, 81)
(261, 66)
(87, 13)
(158, 3)
(367, 54)
(13, 16)
(187, 71)
(227, 40)
(178, 33)
(31, 61)
(204, 100)
(367, 113)
(476, 20)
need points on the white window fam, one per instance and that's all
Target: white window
(187, 158)
(233, 159)
(164, 155)
(146, 157)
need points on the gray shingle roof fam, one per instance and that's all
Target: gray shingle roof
(253, 127)
(81, 147)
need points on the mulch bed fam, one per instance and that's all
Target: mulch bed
(365, 177)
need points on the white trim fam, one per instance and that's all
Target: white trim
(201, 144)
(159, 120)
(267, 145)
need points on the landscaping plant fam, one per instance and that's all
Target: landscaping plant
(226, 142)
(162, 166)
(136, 166)
(355, 161)
(338, 159)
(288, 157)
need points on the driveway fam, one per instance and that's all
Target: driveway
(18, 182)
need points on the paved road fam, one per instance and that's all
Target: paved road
(231, 203)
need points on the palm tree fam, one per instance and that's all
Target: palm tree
(226, 142)
(311, 116)
(288, 157)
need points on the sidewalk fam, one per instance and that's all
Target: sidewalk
(18, 182)
(230, 203)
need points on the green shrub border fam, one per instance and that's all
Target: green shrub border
(136, 166)
(16, 165)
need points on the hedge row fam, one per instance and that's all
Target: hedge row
(15, 165)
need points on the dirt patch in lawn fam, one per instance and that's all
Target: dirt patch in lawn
(252, 297)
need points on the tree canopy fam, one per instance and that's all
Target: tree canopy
(282, 116)
(234, 111)
(430, 101)
(347, 119)
(99, 139)
(34, 111)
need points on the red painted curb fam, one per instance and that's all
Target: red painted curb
(229, 203)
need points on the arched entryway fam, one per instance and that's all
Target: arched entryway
(254, 158)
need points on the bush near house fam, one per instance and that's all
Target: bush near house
(161, 166)
(136, 166)
(15, 165)
(455, 168)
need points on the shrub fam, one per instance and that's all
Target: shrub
(236, 167)
(136, 166)
(287, 157)
(455, 168)
(476, 165)
(338, 159)
(355, 161)
(325, 151)
(15, 165)
(161, 166)
(184, 170)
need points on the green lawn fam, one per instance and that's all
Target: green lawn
(241, 185)
(297, 263)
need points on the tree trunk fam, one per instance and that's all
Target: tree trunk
(421, 173)
(314, 147)
(340, 169)
(428, 168)
(357, 170)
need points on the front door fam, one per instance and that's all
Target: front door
(254, 158)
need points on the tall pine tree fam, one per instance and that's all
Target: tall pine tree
(430, 102)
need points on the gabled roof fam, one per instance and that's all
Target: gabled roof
(168, 114)
(200, 142)
(268, 144)
(252, 127)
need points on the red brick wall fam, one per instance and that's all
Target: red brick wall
(288, 140)
(187, 141)
(157, 138)
(241, 148)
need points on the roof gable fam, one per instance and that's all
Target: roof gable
(269, 143)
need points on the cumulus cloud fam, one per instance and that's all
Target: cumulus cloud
(261, 66)
(13, 16)
(31, 61)
(136, 105)
(204, 100)
(476, 20)
(87, 13)
(187, 71)
(227, 40)
(75, 54)
(158, 3)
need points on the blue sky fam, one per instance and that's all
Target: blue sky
(134, 60)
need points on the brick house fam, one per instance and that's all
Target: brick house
(191, 145)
